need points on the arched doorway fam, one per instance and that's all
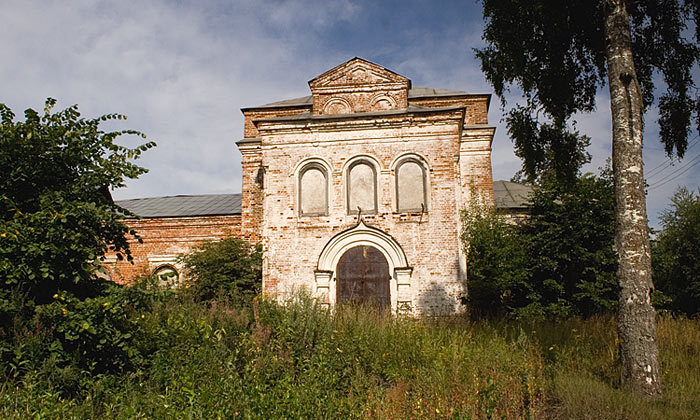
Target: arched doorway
(363, 277)
(327, 277)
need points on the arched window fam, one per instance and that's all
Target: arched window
(411, 188)
(167, 276)
(313, 190)
(362, 188)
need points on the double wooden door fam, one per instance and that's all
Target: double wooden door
(363, 277)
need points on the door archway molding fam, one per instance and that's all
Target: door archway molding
(361, 234)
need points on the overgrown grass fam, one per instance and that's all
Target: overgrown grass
(300, 362)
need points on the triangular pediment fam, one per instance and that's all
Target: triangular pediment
(357, 72)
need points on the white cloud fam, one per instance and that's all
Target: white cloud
(181, 70)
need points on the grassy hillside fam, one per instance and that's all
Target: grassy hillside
(270, 362)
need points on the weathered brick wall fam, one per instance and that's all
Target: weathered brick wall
(430, 241)
(252, 182)
(250, 115)
(477, 106)
(166, 238)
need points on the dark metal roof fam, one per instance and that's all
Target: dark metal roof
(506, 195)
(295, 102)
(184, 205)
(511, 195)
(425, 92)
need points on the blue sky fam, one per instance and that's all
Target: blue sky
(181, 71)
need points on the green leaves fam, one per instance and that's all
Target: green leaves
(230, 268)
(57, 216)
(554, 51)
(558, 262)
(676, 254)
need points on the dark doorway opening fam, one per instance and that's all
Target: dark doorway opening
(363, 278)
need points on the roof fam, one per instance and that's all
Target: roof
(506, 195)
(425, 92)
(184, 205)
(511, 195)
(414, 92)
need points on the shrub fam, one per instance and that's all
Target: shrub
(230, 269)
(558, 262)
(496, 267)
(676, 254)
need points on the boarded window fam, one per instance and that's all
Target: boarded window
(410, 185)
(362, 188)
(313, 194)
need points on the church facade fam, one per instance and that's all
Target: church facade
(356, 191)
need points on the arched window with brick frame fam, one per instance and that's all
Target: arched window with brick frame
(313, 190)
(411, 186)
(361, 181)
(167, 275)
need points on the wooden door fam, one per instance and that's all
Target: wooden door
(363, 277)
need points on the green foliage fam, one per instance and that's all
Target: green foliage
(497, 269)
(230, 269)
(676, 253)
(560, 261)
(555, 52)
(70, 340)
(57, 218)
(299, 361)
(570, 239)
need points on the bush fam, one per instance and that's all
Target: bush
(676, 254)
(228, 269)
(558, 262)
(496, 266)
(57, 217)
(80, 338)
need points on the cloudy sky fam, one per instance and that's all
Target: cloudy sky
(181, 71)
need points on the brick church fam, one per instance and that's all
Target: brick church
(355, 192)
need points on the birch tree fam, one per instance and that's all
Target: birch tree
(560, 54)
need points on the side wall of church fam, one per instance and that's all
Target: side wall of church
(164, 239)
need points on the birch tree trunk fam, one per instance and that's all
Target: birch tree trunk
(636, 320)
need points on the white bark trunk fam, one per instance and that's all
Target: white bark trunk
(636, 321)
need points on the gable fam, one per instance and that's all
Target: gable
(357, 72)
(358, 86)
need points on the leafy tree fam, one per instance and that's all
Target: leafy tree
(230, 268)
(569, 239)
(57, 217)
(677, 253)
(558, 262)
(497, 268)
(560, 53)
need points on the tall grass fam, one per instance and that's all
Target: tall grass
(298, 361)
